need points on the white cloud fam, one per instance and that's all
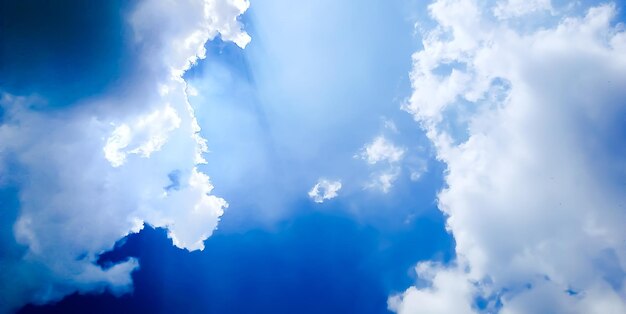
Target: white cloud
(143, 137)
(94, 173)
(324, 190)
(223, 20)
(450, 292)
(384, 180)
(174, 32)
(534, 194)
(516, 8)
(381, 150)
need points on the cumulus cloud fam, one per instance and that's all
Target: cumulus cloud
(173, 33)
(88, 175)
(324, 190)
(534, 182)
(449, 292)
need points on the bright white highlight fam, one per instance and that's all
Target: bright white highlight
(145, 136)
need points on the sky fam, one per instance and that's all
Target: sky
(235, 156)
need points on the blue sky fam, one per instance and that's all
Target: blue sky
(283, 126)
(226, 156)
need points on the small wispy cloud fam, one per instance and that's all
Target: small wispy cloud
(324, 190)
(382, 151)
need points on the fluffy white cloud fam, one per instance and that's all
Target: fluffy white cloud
(534, 186)
(449, 292)
(381, 150)
(324, 190)
(173, 33)
(143, 137)
(91, 174)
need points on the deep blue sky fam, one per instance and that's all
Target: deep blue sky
(64, 51)
(313, 263)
